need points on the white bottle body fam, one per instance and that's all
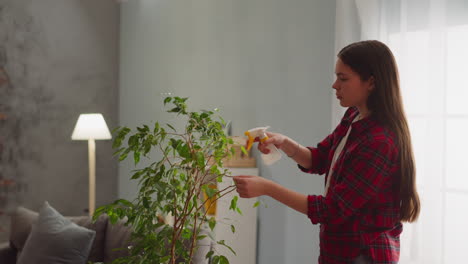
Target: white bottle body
(271, 157)
(274, 154)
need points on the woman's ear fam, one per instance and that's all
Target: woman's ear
(371, 84)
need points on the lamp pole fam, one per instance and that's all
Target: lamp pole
(92, 175)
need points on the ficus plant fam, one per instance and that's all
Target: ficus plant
(178, 184)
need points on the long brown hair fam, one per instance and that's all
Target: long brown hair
(372, 58)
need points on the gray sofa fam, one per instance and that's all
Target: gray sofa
(108, 238)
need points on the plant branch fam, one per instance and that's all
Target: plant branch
(165, 156)
(209, 207)
(217, 193)
(194, 235)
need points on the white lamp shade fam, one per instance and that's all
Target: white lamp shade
(91, 126)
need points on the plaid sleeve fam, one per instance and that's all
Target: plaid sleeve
(319, 156)
(364, 174)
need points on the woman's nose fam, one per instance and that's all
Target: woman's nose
(335, 86)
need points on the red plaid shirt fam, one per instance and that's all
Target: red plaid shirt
(360, 213)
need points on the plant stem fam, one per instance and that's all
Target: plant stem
(206, 211)
(231, 186)
(193, 239)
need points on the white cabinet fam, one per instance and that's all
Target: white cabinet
(244, 240)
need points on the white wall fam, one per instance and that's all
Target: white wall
(263, 62)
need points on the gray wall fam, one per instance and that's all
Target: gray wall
(61, 58)
(263, 62)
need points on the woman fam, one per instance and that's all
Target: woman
(370, 184)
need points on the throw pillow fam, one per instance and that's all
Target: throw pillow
(55, 239)
(97, 250)
(21, 221)
(23, 218)
(117, 241)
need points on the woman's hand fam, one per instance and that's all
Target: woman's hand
(273, 138)
(254, 186)
(251, 186)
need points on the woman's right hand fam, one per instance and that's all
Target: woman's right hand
(276, 139)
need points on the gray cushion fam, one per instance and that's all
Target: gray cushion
(22, 220)
(117, 237)
(97, 250)
(55, 239)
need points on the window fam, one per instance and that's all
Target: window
(433, 74)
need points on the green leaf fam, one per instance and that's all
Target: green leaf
(167, 100)
(146, 202)
(136, 157)
(214, 169)
(123, 202)
(209, 254)
(184, 150)
(223, 260)
(174, 142)
(221, 242)
(115, 130)
(143, 129)
(99, 211)
(156, 128)
(132, 141)
(183, 177)
(200, 159)
(244, 151)
(186, 233)
(256, 204)
(170, 126)
(118, 151)
(181, 99)
(210, 192)
(121, 134)
(216, 260)
(113, 218)
(117, 142)
(124, 155)
(175, 110)
(212, 223)
(201, 237)
(233, 203)
(233, 228)
(239, 211)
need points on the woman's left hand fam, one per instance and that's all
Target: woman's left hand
(251, 186)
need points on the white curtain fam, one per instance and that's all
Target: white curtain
(429, 39)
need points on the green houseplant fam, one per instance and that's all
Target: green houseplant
(191, 160)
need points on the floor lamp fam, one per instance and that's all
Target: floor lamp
(91, 127)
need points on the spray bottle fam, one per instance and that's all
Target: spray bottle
(260, 132)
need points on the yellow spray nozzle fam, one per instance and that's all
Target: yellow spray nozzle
(256, 132)
(260, 133)
(251, 140)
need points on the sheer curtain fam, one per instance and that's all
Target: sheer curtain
(429, 39)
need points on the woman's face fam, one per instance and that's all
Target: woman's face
(350, 89)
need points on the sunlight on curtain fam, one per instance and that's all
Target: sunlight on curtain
(430, 42)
